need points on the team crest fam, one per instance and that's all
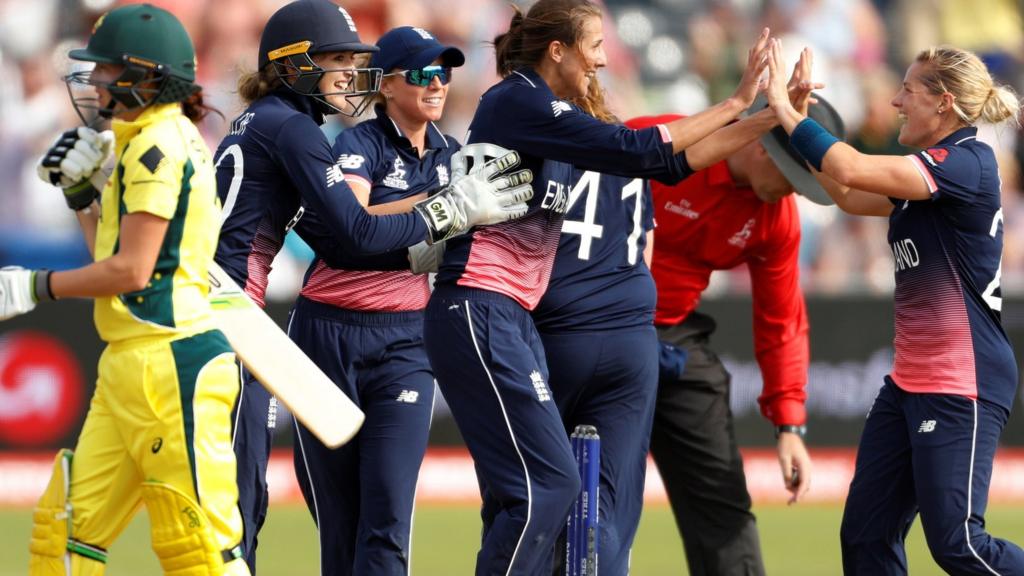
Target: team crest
(442, 175)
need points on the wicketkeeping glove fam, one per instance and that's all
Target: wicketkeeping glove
(485, 194)
(20, 289)
(75, 163)
(426, 257)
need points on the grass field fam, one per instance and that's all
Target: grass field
(796, 541)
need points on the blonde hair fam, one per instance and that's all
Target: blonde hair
(975, 95)
(254, 85)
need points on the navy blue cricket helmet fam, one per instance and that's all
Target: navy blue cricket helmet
(299, 30)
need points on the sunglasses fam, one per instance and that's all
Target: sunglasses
(424, 76)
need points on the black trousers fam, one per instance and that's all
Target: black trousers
(694, 445)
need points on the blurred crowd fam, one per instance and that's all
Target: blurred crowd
(664, 56)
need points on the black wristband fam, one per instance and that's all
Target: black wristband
(800, 431)
(41, 286)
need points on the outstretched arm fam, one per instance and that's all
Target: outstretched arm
(891, 176)
(725, 141)
(685, 132)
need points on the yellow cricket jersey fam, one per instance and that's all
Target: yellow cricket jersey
(163, 168)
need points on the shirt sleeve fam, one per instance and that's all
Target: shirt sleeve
(308, 161)
(561, 132)
(780, 324)
(357, 155)
(336, 254)
(152, 179)
(952, 173)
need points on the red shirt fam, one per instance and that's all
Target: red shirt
(708, 223)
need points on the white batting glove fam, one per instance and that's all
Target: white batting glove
(74, 163)
(486, 194)
(17, 290)
(426, 257)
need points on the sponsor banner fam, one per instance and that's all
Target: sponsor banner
(447, 477)
(48, 370)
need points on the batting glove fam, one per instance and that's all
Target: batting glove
(485, 194)
(20, 289)
(75, 163)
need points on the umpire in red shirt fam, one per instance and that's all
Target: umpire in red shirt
(738, 211)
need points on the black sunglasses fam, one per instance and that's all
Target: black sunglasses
(424, 76)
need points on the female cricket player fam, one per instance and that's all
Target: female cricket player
(275, 162)
(931, 435)
(364, 325)
(158, 429)
(482, 344)
(596, 318)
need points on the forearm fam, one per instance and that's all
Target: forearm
(397, 207)
(88, 220)
(685, 132)
(107, 277)
(725, 141)
(853, 201)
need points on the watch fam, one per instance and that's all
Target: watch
(800, 430)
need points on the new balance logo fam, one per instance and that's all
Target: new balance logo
(334, 175)
(558, 107)
(423, 33)
(926, 427)
(543, 394)
(351, 161)
(408, 396)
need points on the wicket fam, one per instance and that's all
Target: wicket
(583, 525)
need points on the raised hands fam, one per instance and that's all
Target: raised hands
(800, 84)
(757, 61)
(778, 88)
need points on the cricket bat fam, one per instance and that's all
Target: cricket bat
(280, 365)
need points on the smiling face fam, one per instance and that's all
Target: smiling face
(413, 105)
(339, 76)
(579, 64)
(918, 109)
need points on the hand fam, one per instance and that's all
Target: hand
(425, 257)
(796, 465)
(757, 60)
(486, 194)
(17, 288)
(800, 85)
(777, 90)
(74, 163)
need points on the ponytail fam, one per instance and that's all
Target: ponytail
(1001, 104)
(195, 110)
(255, 85)
(528, 36)
(508, 45)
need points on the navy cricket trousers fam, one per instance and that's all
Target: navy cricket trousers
(489, 364)
(362, 494)
(929, 454)
(609, 379)
(254, 421)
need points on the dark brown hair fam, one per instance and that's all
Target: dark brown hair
(529, 35)
(594, 103)
(195, 110)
